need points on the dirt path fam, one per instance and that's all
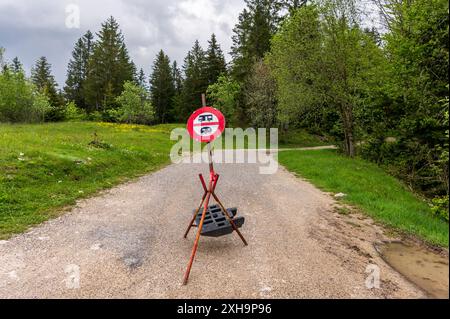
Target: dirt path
(312, 148)
(127, 243)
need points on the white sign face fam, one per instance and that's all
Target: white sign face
(206, 124)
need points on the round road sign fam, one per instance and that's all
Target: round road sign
(206, 124)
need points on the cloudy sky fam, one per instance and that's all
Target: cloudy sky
(30, 29)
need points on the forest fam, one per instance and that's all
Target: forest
(380, 93)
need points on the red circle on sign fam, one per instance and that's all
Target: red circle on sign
(206, 124)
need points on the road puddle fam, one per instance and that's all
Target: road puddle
(427, 269)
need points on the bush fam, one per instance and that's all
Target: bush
(20, 101)
(73, 113)
(439, 207)
(56, 112)
(95, 116)
(113, 115)
(41, 106)
(134, 105)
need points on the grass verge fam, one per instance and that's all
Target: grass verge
(49, 166)
(368, 187)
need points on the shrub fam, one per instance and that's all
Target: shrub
(134, 105)
(73, 113)
(95, 116)
(113, 115)
(439, 207)
(20, 101)
(41, 106)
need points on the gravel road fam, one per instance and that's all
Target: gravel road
(128, 242)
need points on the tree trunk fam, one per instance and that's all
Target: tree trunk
(350, 144)
(347, 121)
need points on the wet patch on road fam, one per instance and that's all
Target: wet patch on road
(425, 268)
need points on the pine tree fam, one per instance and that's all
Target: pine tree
(135, 72)
(162, 88)
(108, 68)
(42, 78)
(77, 70)
(195, 82)
(142, 80)
(292, 5)
(257, 24)
(215, 61)
(177, 77)
(177, 101)
(17, 66)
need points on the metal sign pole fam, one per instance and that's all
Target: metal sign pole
(205, 208)
(208, 146)
(208, 192)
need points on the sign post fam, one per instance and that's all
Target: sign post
(205, 125)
